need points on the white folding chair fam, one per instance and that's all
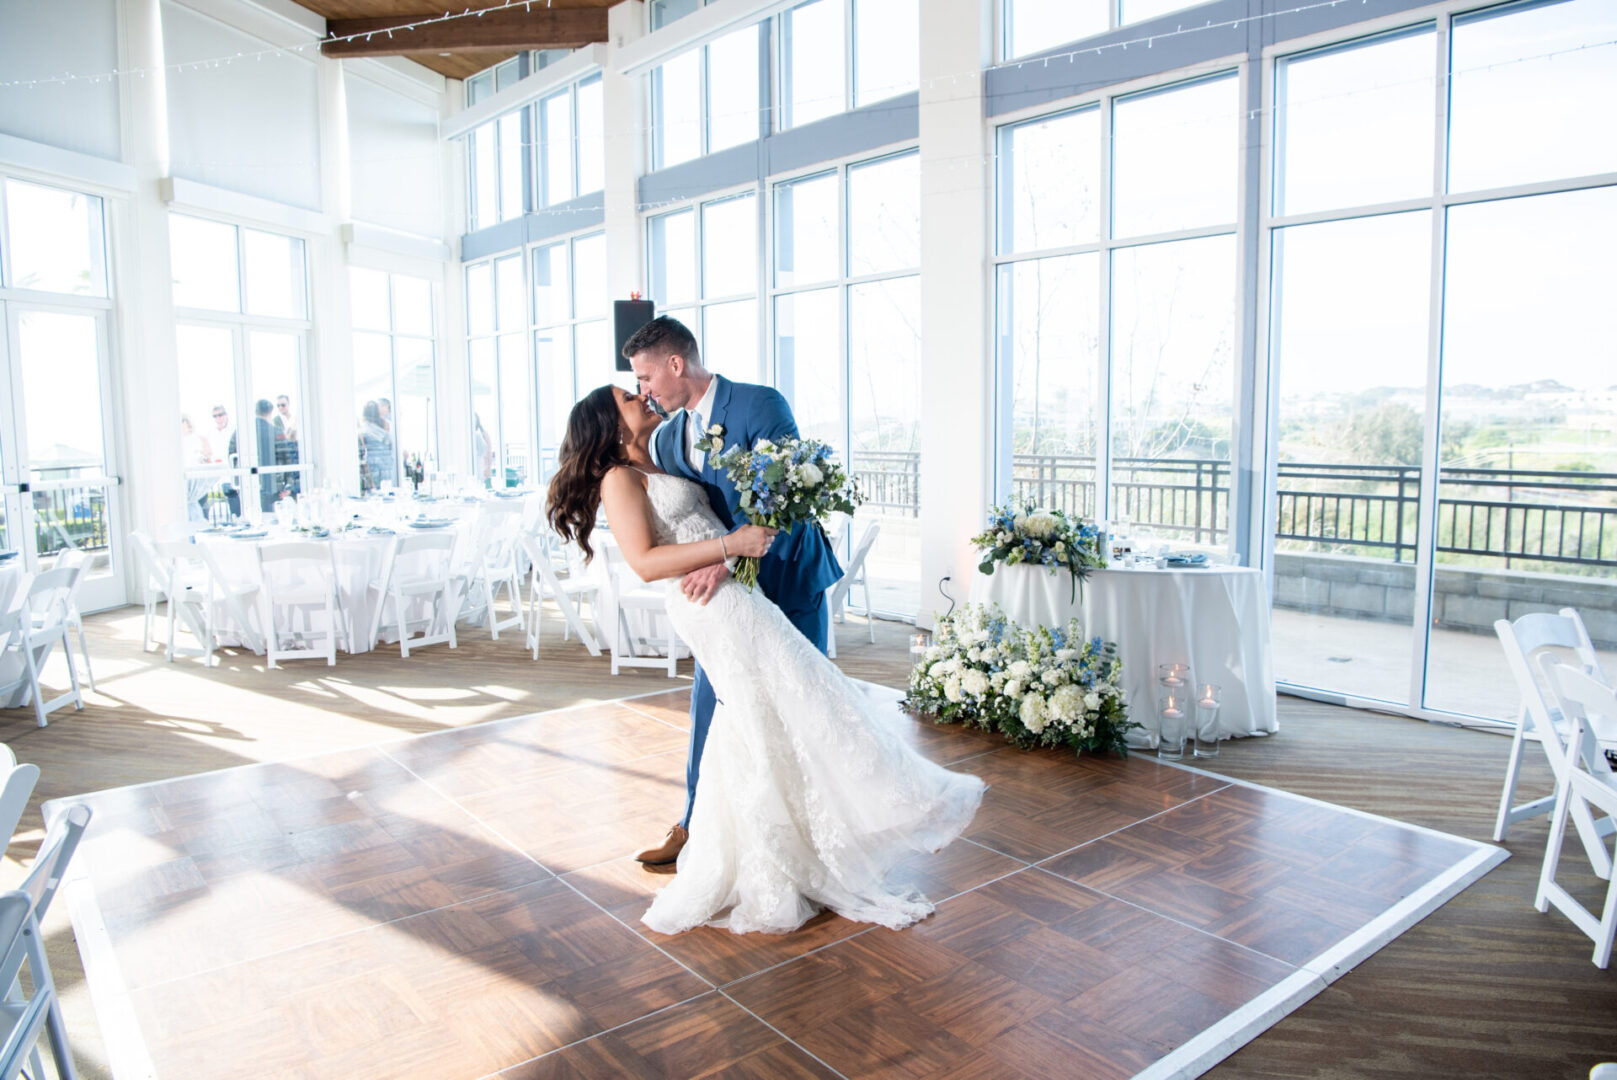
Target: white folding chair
(839, 595)
(29, 632)
(624, 593)
(17, 785)
(187, 595)
(491, 564)
(75, 559)
(569, 593)
(239, 594)
(297, 579)
(1580, 789)
(26, 1018)
(155, 588)
(1523, 641)
(418, 574)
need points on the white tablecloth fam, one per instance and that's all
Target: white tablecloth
(10, 577)
(1215, 619)
(357, 557)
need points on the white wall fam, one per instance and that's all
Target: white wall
(48, 40)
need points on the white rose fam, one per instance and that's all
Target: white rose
(810, 475)
(1013, 689)
(974, 683)
(715, 430)
(1092, 701)
(938, 670)
(997, 681)
(1051, 677)
(1020, 669)
(975, 655)
(1065, 654)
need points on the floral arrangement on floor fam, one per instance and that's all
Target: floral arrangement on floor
(782, 484)
(1038, 687)
(1050, 538)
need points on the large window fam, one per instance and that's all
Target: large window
(1115, 332)
(1510, 504)
(241, 305)
(1033, 26)
(841, 54)
(572, 343)
(501, 392)
(707, 99)
(494, 152)
(56, 460)
(704, 272)
(846, 315)
(395, 379)
(569, 155)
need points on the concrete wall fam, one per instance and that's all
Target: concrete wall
(1464, 599)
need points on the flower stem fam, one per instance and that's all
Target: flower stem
(747, 571)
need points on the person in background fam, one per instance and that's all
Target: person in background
(377, 446)
(194, 454)
(226, 456)
(286, 443)
(385, 407)
(269, 484)
(482, 451)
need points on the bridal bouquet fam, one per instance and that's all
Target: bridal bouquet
(782, 485)
(1037, 687)
(1051, 538)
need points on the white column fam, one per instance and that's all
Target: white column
(147, 368)
(956, 371)
(454, 374)
(623, 100)
(330, 415)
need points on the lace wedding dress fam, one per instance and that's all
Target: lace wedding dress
(810, 791)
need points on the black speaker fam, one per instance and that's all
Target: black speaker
(627, 317)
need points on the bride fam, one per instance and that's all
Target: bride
(810, 790)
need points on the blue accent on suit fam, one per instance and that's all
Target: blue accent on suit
(800, 565)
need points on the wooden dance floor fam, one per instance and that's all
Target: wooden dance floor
(460, 904)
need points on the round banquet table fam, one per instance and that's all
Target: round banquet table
(357, 557)
(1215, 619)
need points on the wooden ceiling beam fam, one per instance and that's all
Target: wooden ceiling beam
(506, 28)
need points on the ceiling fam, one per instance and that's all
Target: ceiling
(461, 46)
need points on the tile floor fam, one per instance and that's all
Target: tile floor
(459, 904)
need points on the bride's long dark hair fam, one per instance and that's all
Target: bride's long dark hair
(593, 445)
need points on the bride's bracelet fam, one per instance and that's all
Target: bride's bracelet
(722, 550)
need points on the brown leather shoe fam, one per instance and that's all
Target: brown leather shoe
(667, 851)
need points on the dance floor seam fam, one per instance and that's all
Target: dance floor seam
(460, 903)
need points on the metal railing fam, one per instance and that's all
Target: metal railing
(889, 480)
(1517, 515)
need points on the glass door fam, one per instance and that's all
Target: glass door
(61, 492)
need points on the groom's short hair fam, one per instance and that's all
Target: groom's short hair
(665, 336)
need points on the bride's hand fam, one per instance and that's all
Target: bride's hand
(751, 540)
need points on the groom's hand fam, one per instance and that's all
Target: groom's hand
(700, 585)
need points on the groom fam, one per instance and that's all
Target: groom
(799, 566)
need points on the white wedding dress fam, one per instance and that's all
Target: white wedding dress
(810, 790)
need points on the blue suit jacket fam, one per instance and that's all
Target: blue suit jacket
(800, 565)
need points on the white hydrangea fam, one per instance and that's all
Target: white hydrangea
(1039, 525)
(1034, 716)
(1020, 669)
(1052, 676)
(974, 683)
(1013, 689)
(952, 689)
(1065, 655)
(1067, 704)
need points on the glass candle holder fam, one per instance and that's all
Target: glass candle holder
(1173, 721)
(1206, 738)
(920, 641)
(1175, 678)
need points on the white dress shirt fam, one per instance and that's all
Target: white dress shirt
(696, 418)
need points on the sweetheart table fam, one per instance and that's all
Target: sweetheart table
(1215, 619)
